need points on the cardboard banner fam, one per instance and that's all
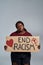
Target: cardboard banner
(22, 44)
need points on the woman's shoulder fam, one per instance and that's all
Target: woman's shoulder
(29, 34)
(13, 33)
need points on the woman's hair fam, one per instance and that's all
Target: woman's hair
(19, 22)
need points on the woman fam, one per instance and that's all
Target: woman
(20, 58)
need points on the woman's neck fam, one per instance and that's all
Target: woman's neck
(22, 32)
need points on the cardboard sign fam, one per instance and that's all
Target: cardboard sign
(22, 44)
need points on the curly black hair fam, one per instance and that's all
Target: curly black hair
(19, 22)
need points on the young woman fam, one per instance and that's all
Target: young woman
(20, 58)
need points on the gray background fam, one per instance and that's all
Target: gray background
(28, 11)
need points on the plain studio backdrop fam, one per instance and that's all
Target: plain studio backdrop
(28, 11)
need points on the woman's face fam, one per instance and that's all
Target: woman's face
(20, 27)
